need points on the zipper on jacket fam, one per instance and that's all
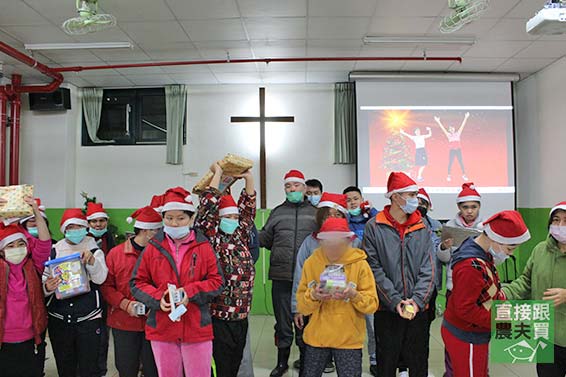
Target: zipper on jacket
(193, 265)
(176, 259)
(403, 266)
(295, 241)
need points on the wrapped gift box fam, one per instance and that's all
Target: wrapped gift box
(16, 207)
(231, 165)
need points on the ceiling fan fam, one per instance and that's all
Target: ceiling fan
(89, 20)
(465, 11)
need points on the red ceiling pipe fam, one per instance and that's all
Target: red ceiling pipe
(3, 136)
(261, 60)
(28, 60)
(15, 133)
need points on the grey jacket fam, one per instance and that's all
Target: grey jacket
(287, 227)
(403, 269)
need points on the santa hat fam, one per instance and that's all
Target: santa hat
(41, 209)
(424, 196)
(95, 211)
(507, 228)
(468, 193)
(336, 201)
(294, 176)
(400, 182)
(157, 202)
(335, 228)
(73, 216)
(146, 218)
(9, 234)
(561, 205)
(177, 199)
(228, 206)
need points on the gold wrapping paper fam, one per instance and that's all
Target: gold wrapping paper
(231, 165)
(16, 207)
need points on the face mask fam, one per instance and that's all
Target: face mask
(315, 199)
(228, 226)
(559, 233)
(410, 206)
(76, 236)
(295, 196)
(499, 257)
(15, 255)
(423, 211)
(98, 232)
(355, 212)
(33, 231)
(177, 232)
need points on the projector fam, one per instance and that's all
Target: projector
(549, 20)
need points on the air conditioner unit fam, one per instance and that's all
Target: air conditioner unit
(549, 20)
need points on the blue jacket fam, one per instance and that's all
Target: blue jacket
(358, 223)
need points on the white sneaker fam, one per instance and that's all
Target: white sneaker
(404, 374)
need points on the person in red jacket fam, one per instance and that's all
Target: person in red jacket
(466, 329)
(124, 315)
(179, 326)
(23, 316)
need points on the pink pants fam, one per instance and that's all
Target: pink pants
(172, 358)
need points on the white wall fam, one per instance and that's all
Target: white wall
(541, 137)
(127, 176)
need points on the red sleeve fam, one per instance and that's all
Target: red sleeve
(247, 206)
(109, 290)
(208, 217)
(141, 282)
(203, 291)
(468, 284)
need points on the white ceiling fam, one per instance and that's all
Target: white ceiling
(165, 30)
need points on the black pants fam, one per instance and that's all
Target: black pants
(455, 153)
(131, 348)
(102, 362)
(228, 346)
(21, 359)
(281, 293)
(402, 341)
(348, 362)
(76, 346)
(558, 368)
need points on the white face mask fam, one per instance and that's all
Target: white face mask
(559, 233)
(499, 257)
(15, 255)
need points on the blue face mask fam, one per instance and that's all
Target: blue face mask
(410, 206)
(177, 232)
(76, 236)
(98, 233)
(229, 226)
(314, 199)
(355, 212)
(33, 231)
(295, 196)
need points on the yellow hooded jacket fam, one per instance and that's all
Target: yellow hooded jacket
(335, 323)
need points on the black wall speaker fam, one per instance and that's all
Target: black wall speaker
(59, 100)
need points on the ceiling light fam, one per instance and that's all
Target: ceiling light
(371, 39)
(76, 46)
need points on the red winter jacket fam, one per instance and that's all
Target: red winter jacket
(121, 261)
(200, 278)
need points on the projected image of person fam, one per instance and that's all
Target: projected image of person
(421, 157)
(454, 140)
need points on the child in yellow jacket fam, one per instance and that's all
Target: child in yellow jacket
(337, 290)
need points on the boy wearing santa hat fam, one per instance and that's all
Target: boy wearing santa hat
(400, 253)
(466, 329)
(75, 324)
(127, 316)
(287, 226)
(228, 227)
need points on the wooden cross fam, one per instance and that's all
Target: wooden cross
(262, 120)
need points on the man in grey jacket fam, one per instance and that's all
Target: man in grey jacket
(400, 253)
(286, 228)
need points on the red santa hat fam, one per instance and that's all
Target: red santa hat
(177, 199)
(335, 228)
(424, 196)
(561, 205)
(41, 209)
(95, 211)
(468, 193)
(400, 182)
(9, 234)
(228, 206)
(157, 202)
(146, 218)
(507, 228)
(73, 216)
(294, 176)
(336, 201)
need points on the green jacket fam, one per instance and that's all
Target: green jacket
(546, 268)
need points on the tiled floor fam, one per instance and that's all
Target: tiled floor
(265, 354)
